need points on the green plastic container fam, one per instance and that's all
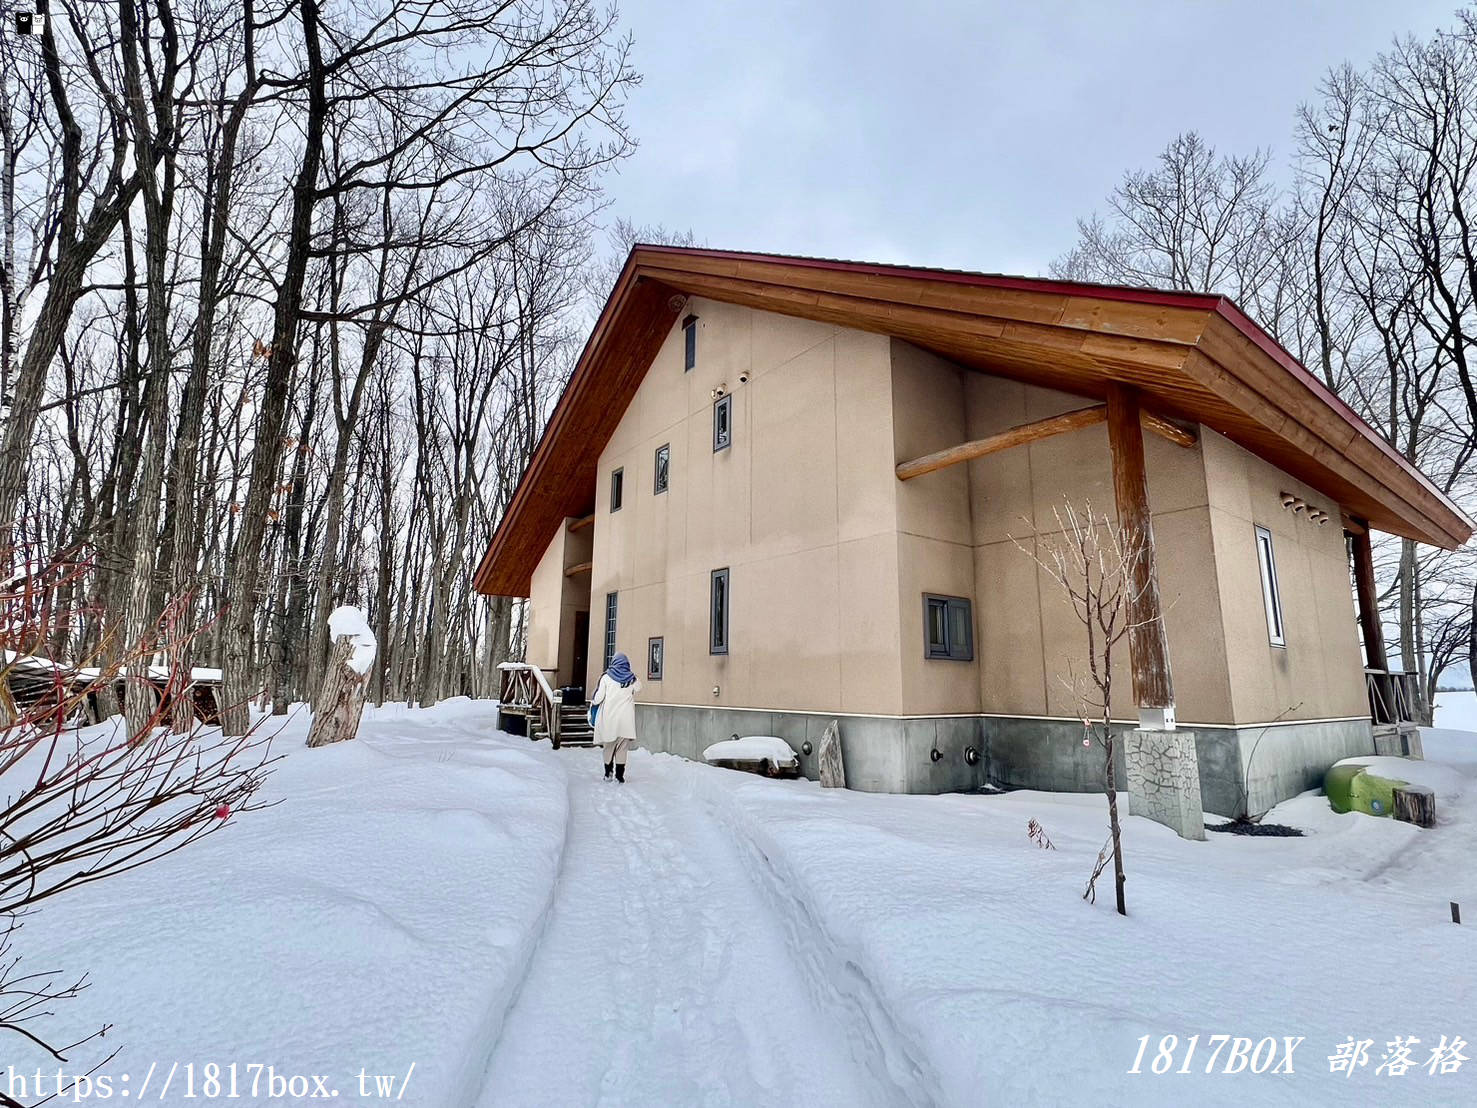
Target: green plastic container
(1352, 788)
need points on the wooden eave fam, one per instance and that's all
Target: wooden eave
(1193, 356)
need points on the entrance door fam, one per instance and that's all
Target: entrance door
(581, 648)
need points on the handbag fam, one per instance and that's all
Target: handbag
(594, 711)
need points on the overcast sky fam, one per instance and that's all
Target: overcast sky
(965, 134)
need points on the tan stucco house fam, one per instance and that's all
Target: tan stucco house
(795, 490)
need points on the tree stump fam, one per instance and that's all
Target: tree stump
(340, 700)
(1415, 804)
(832, 772)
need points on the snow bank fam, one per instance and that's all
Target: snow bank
(352, 622)
(382, 914)
(752, 748)
(975, 972)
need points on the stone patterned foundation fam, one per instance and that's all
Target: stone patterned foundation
(1164, 780)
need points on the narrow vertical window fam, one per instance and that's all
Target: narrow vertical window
(718, 614)
(610, 604)
(689, 343)
(663, 468)
(617, 483)
(722, 422)
(1271, 598)
(948, 628)
(654, 650)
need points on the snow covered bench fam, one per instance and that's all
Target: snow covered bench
(766, 754)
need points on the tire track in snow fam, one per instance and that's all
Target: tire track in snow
(662, 977)
(835, 981)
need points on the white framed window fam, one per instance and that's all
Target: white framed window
(1271, 598)
(610, 614)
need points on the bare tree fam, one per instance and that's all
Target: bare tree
(1092, 559)
(84, 806)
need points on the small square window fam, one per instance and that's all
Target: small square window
(654, 651)
(718, 613)
(617, 483)
(1271, 597)
(948, 628)
(689, 343)
(663, 468)
(723, 422)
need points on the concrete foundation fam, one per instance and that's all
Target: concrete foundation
(1243, 770)
(884, 755)
(1164, 780)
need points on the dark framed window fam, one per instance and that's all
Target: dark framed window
(722, 422)
(689, 343)
(1271, 597)
(663, 469)
(610, 612)
(948, 628)
(718, 613)
(617, 487)
(655, 649)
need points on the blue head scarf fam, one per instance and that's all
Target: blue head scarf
(619, 670)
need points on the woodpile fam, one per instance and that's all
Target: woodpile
(31, 683)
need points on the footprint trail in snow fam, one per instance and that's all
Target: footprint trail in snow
(662, 977)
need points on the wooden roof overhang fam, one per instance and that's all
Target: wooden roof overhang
(1192, 356)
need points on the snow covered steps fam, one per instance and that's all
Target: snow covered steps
(574, 726)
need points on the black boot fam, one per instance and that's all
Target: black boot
(620, 773)
(608, 767)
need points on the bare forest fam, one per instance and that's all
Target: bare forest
(1357, 251)
(288, 290)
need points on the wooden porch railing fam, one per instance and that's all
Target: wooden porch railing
(527, 691)
(1394, 697)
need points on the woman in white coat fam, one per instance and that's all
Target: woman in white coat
(615, 719)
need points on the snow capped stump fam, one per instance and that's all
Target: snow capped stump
(341, 699)
(1415, 804)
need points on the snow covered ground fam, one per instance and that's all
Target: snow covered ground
(381, 915)
(528, 934)
(1457, 711)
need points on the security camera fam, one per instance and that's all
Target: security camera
(743, 378)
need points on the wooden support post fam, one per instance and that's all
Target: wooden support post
(1172, 432)
(1016, 436)
(1369, 610)
(1148, 646)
